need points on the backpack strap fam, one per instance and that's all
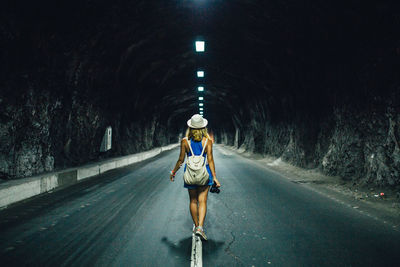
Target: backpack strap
(191, 150)
(204, 147)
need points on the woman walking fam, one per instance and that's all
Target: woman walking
(197, 137)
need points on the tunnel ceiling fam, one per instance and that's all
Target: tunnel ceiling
(278, 57)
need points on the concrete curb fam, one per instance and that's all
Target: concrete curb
(14, 191)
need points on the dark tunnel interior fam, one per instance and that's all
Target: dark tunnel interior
(315, 83)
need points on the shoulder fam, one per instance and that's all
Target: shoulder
(209, 141)
(184, 144)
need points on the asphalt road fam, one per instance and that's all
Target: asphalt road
(136, 217)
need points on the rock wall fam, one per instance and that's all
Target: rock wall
(365, 147)
(25, 147)
(41, 132)
(70, 71)
(359, 145)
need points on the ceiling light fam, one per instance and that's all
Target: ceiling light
(200, 88)
(201, 104)
(200, 46)
(200, 74)
(201, 98)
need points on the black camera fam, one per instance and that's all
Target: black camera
(214, 188)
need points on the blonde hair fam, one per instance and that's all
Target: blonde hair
(197, 134)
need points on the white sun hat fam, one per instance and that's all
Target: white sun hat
(197, 122)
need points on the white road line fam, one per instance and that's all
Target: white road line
(193, 254)
(196, 258)
(199, 252)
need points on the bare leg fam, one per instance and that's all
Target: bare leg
(193, 206)
(202, 198)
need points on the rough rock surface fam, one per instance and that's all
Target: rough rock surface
(359, 146)
(41, 132)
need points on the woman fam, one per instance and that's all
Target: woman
(197, 136)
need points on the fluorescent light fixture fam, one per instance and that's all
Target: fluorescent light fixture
(201, 98)
(200, 46)
(201, 104)
(201, 109)
(200, 88)
(200, 74)
(201, 113)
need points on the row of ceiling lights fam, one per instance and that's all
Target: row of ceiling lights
(200, 47)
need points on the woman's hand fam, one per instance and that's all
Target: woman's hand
(171, 177)
(217, 182)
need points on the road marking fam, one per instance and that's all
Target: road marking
(196, 258)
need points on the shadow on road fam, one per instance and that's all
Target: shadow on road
(183, 247)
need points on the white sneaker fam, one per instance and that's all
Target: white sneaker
(201, 234)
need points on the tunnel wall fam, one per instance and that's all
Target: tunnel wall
(362, 146)
(319, 92)
(72, 69)
(41, 132)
